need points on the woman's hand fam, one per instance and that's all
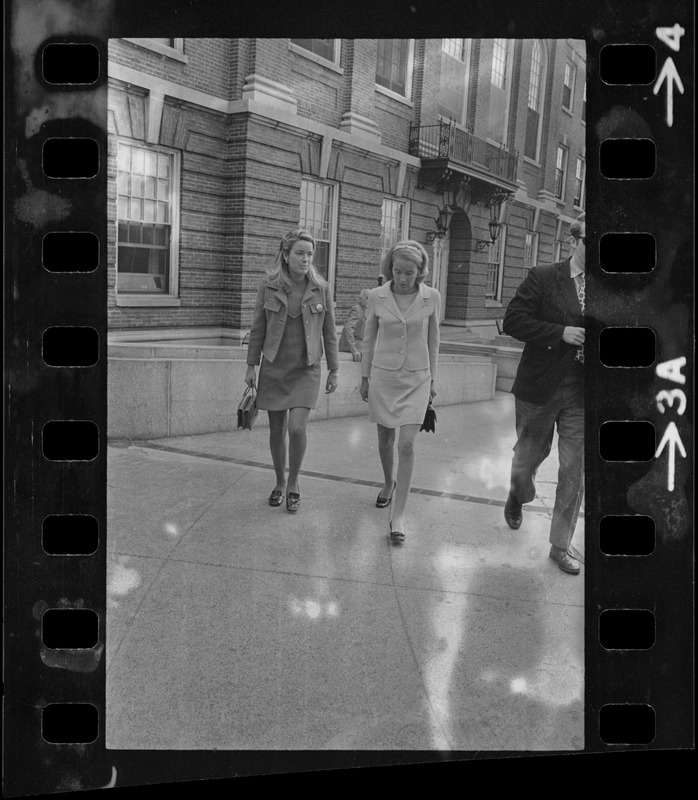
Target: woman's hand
(332, 380)
(363, 390)
(250, 377)
(432, 391)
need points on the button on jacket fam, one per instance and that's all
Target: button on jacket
(392, 341)
(544, 304)
(269, 323)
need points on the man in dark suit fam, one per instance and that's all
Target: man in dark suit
(547, 313)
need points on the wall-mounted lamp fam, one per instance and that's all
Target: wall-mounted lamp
(442, 223)
(494, 227)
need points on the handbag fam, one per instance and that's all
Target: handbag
(247, 410)
(429, 424)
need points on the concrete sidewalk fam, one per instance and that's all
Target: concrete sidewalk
(234, 625)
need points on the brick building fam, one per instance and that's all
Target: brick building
(219, 146)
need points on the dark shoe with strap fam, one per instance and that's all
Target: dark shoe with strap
(276, 497)
(396, 537)
(565, 561)
(293, 501)
(384, 502)
(513, 513)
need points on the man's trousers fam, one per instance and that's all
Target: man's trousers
(535, 425)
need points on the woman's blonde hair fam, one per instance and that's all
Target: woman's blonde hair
(410, 251)
(278, 274)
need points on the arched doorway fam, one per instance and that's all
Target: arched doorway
(460, 249)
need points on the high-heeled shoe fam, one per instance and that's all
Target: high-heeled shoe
(293, 501)
(384, 502)
(396, 537)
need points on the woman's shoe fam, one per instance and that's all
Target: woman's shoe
(396, 537)
(293, 501)
(384, 502)
(276, 497)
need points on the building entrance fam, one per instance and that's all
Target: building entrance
(458, 278)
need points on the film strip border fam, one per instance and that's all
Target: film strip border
(639, 424)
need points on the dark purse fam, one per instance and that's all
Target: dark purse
(429, 424)
(247, 410)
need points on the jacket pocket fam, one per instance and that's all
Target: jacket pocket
(272, 305)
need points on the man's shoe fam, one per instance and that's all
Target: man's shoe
(513, 513)
(565, 561)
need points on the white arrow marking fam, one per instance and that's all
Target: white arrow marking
(672, 76)
(671, 435)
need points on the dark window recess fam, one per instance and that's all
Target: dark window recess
(628, 64)
(628, 159)
(70, 534)
(69, 723)
(628, 252)
(70, 440)
(627, 347)
(73, 64)
(70, 347)
(627, 535)
(320, 47)
(69, 628)
(632, 440)
(70, 158)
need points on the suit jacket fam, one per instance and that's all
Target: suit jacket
(353, 331)
(392, 341)
(269, 323)
(544, 304)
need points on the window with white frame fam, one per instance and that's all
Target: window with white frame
(557, 244)
(317, 215)
(454, 79)
(393, 224)
(530, 257)
(325, 49)
(495, 267)
(500, 86)
(536, 93)
(560, 171)
(568, 85)
(173, 48)
(394, 66)
(579, 183)
(584, 103)
(147, 220)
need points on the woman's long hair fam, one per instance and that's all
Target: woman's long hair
(411, 251)
(278, 274)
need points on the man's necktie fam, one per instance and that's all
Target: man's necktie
(580, 285)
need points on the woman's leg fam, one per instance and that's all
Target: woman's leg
(277, 445)
(386, 451)
(297, 442)
(405, 467)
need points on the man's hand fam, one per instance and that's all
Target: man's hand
(573, 335)
(356, 356)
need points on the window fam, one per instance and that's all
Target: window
(172, 48)
(326, 49)
(536, 93)
(393, 65)
(317, 214)
(584, 103)
(146, 220)
(557, 244)
(453, 85)
(495, 265)
(499, 90)
(579, 183)
(530, 258)
(568, 86)
(393, 224)
(560, 172)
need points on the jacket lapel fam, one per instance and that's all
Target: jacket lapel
(568, 290)
(420, 302)
(388, 300)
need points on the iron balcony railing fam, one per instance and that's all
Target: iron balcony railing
(445, 140)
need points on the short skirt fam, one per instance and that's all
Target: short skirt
(288, 381)
(398, 396)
